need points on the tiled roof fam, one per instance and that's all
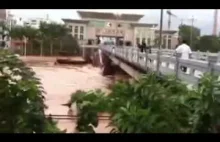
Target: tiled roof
(112, 16)
(75, 21)
(167, 31)
(143, 25)
(130, 17)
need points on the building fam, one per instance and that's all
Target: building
(124, 27)
(169, 38)
(35, 22)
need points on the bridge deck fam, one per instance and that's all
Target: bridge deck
(168, 65)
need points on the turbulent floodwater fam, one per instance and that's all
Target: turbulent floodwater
(60, 82)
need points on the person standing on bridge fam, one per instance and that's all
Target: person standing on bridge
(185, 51)
(138, 45)
(143, 46)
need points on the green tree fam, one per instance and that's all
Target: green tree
(53, 31)
(208, 43)
(31, 34)
(186, 31)
(49, 36)
(17, 32)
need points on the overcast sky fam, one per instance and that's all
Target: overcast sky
(204, 17)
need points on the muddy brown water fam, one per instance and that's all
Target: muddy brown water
(62, 80)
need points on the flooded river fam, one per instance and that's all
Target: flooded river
(60, 81)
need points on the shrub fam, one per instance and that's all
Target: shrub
(155, 105)
(21, 101)
(88, 104)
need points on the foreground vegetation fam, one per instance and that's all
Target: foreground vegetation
(153, 105)
(21, 101)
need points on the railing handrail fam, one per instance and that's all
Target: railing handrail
(142, 60)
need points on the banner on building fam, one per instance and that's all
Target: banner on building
(110, 32)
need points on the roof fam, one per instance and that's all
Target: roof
(112, 16)
(131, 17)
(143, 25)
(167, 31)
(75, 21)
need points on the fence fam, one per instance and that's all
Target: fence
(169, 65)
(46, 48)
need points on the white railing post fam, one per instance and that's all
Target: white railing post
(177, 67)
(126, 51)
(158, 61)
(137, 56)
(132, 54)
(218, 56)
(207, 55)
(198, 55)
(146, 59)
(212, 60)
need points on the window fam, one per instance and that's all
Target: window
(76, 36)
(76, 30)
(143, 39)
(79, 32)
(81, 37)
(81, 29)
(119, 25)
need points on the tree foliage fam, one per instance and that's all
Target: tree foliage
(186, 31)
(21, 101)
(154, 105)
(208, 43)
(50, 36)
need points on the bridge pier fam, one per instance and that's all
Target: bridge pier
(86, 54)
(107, 67)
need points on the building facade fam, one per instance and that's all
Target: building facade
(169, 38)
(124, 27)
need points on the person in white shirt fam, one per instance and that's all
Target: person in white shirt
(185, 51)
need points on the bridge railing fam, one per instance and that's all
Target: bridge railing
(195, 54)
(169, 65)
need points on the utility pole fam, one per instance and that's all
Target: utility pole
(191, 31)
(160, 39)
(169, 19)
(215, 24)
(161, 28)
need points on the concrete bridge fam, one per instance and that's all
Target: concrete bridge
(135, 63)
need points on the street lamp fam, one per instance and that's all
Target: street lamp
(161, 28)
